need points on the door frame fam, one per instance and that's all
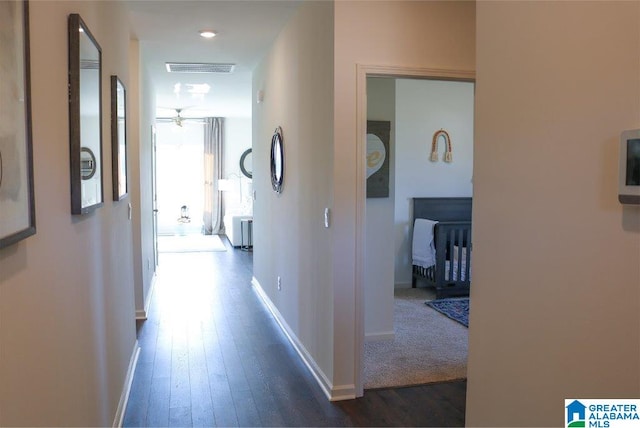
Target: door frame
(362, 72)
(154, 196)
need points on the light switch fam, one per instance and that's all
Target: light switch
(326, 217)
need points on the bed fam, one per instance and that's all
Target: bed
(449, 267)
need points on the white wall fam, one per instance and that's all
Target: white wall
(378, 293)
(407, 34)
(67, 327)
(556, 290)
(290, 239)
(422, 108)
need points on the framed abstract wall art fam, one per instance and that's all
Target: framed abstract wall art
(378, 135)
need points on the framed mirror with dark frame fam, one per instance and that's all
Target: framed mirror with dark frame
(85, 113)
(277, 160)
(17, 201)
(246, 163)
(118, 139)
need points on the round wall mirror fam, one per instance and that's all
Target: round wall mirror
(277, 160)
(246, 163)
(88, 164)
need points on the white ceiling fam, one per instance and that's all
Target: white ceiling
(168, 32)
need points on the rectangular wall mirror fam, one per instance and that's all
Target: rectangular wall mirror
(118, 138)
(85, 113)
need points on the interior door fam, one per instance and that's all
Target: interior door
(154, 195)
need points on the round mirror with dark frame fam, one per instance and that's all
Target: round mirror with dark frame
(88, 163)
(277, 160)
(246, 163)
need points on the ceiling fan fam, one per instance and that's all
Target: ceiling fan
(172, 114)
(178, 119)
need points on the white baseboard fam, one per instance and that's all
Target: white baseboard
(333, 393)
(379, 337)
(141, 314)
(126, 388)
(343, 392)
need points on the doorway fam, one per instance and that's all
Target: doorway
(418, 102)
(204, 184)
(181, 188)
(180, 177)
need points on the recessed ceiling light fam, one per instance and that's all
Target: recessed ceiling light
(208, 34)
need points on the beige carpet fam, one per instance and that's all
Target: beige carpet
(428, 346)
(190, 243)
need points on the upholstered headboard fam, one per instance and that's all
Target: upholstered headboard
(442, 209)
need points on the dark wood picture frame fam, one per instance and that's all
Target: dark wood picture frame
(85, 118)
(119, 139)
(17, 200)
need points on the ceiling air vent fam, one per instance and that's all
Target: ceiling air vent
(189, 67)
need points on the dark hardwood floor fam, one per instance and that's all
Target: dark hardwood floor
(212, 355)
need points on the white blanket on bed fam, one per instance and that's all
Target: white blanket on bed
(423, 250)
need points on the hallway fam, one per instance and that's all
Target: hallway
(212, 355)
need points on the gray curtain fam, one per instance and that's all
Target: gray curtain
(213, 143)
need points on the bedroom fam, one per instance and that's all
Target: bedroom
(415, 110)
